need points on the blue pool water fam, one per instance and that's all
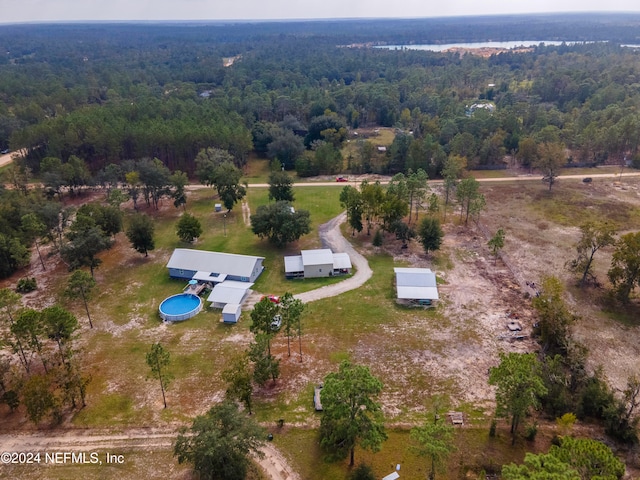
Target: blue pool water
(180, 307)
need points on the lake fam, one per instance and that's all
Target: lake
(447, 46)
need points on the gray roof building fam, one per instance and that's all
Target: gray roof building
(317, 263)
(214, 266)
(416, 284)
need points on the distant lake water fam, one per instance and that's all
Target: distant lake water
(447, 46)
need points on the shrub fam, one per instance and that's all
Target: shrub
(378, 238)
(26, 285)
(531, 431)
(492, 428)
(566, 422)
(619, 425)
(362, 472)
(595, 399)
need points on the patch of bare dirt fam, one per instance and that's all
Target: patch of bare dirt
(537, 247)
(246, 214)
(453, 351)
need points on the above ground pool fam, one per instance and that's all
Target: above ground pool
(180, 307)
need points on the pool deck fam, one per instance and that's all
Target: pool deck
(194, 289)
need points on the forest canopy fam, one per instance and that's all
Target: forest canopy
(109, 93)
(110, 104)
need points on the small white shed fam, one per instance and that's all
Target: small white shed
(231, 313)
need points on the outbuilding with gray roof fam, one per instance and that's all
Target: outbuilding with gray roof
(317, 263)
(416, 285)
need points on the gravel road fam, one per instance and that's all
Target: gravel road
(332, 238)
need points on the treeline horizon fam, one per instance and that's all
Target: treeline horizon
(110, 93)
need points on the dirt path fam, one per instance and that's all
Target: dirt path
(246, 214)
(5, 159)
(273, 462)
(385, 180)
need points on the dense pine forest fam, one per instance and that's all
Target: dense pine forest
(88, 103)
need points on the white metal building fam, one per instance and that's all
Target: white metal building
(317, 263)
(416, 285)
(229, 292)
(213, 267)
(231, 313)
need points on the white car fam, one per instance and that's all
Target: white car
(276, 323)
(317, 404)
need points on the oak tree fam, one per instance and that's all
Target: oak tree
(238, 377)
(226, 179)
(551, 158)
(219, 443)
(430, 234)
(188, 228)
(140, 233)
(280, 186)
(351, 416)
(280, 223)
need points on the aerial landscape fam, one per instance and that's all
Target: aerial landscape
(295, 247)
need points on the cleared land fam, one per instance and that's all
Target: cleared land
(417, 353)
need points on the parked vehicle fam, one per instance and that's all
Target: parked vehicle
(342, 179)
(317, 404)
(272, 298)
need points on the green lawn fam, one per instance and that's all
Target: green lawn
(127, 322)
(475, 451)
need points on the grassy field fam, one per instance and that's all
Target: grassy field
(475, 452)
(408, 349)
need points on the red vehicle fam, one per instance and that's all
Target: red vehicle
(342, 179)
(271, 298)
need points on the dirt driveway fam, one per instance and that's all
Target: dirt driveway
(5, 159)
(332, 238)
